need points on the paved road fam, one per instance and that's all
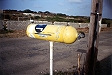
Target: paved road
(26, 56)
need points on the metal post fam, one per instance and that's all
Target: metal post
(51, 57)
(93, 38)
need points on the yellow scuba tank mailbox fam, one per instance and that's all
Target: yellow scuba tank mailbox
(57, 33)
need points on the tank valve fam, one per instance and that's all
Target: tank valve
(81, 35)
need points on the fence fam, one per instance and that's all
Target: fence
(20, 25)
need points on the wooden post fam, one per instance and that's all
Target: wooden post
(91, 56)
(78, 60)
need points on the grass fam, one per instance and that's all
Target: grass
(6, 31)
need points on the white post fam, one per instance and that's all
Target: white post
(100, 25)
(51, 57)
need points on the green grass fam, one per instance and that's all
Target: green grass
(6, 31)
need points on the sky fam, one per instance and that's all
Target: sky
(68, 7)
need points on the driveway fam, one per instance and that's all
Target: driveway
(27, 56)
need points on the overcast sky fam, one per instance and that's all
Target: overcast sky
(69, 7)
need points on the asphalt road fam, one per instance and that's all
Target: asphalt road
(27, 56)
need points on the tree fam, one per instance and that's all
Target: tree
(7, 17)
(61, 15)
(36, 17)
(40, 12)
(1, 16)
(28, 11)
(47, 12)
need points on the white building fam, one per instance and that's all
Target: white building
(32, 14)
(1, 11)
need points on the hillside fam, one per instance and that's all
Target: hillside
(47, 16)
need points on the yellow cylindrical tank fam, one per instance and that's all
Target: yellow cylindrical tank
(57, 33)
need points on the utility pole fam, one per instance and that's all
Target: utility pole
(93, 38)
